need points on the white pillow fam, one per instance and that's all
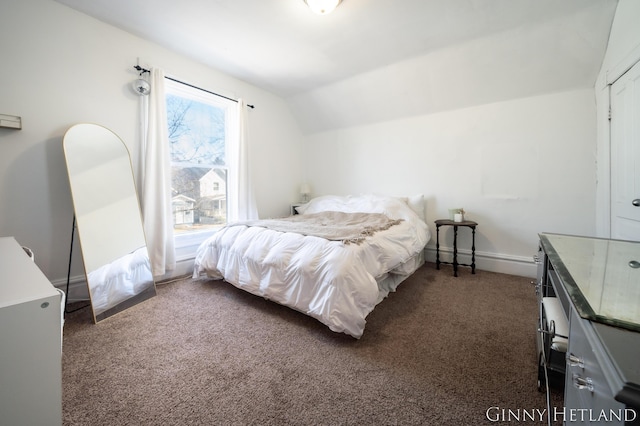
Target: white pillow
(395, 207)
(322, 203)
(417, 205)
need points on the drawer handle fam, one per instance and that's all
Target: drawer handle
(583, 382)
(537, 286)
(575, 361)
(634, 264)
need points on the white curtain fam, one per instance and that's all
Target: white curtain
(156, 180)
(242, 205)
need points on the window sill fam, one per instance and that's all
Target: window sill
(186, 244)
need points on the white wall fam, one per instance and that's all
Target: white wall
(503, 126)
(518, 168)
(623, 51)
(60, 67)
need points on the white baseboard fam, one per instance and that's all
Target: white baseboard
(183, 267)
(79, 291)
(486, 261)
(494, 262)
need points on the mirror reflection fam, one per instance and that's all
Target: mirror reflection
(108, 219)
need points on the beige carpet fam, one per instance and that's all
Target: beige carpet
(439, 351)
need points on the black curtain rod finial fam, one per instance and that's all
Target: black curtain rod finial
(142, 70)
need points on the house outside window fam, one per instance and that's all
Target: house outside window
(199, 133)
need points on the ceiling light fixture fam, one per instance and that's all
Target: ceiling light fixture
(322, 7)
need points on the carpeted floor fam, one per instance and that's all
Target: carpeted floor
(439, 351)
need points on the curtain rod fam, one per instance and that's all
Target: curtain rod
(143, 70)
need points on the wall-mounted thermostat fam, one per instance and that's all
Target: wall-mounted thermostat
(10, 121)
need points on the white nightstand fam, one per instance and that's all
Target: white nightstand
(295, 205)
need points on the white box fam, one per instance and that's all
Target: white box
(10, 121)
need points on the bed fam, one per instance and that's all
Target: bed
(336, 278)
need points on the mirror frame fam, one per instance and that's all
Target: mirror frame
(108, 220)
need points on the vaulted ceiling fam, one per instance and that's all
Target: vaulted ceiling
(418, 56)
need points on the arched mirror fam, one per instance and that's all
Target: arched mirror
(108, 219)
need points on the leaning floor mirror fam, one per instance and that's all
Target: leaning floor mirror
(108, 220)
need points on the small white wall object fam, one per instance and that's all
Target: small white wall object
(10, 121)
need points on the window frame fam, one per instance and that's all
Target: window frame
(186, 243)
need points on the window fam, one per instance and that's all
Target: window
(200, 128)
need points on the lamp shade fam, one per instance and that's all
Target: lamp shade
(305, 189)
(322, 7)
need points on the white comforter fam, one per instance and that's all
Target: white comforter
(328, 280)
(120, 280)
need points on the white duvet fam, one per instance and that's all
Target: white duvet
(120, 280)
(333, 282)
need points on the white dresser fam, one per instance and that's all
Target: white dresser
(30, 341)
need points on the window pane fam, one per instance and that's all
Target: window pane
(196, 131)
(197, 124)
(200, 197)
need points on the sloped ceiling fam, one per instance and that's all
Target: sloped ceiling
(373, 60)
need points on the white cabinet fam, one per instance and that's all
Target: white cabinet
(30, 341)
